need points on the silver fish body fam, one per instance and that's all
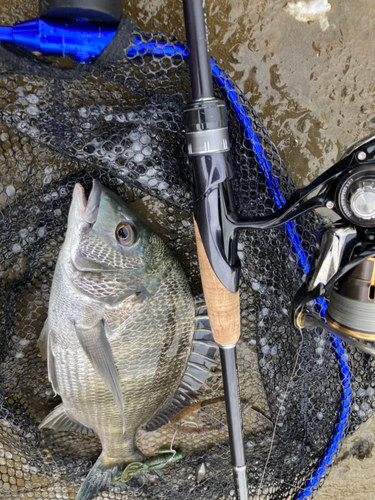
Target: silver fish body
(120, 325)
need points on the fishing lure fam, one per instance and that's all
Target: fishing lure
(157, 462)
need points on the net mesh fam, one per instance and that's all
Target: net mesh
(119, 120)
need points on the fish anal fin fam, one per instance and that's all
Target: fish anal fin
(59, 420)
(95, 344)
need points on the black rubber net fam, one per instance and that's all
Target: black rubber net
(119, 120)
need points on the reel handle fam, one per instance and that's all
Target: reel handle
(223, 305)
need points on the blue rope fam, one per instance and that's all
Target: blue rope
(232, 94)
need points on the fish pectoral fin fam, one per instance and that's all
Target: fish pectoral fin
(95, 344)
(45, 347)
(60, 421)
(51, 364)
(43, 340)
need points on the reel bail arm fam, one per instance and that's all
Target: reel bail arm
(339, 189)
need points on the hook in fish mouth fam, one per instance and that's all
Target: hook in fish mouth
(89, 207)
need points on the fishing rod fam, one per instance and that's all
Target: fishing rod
(206, 128)
(343, 267)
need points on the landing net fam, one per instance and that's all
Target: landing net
(119, 120)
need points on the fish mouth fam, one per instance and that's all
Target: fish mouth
(89, 208)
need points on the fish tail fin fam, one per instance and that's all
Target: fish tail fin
(99, 477)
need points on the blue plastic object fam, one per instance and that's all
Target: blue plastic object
(80, 40)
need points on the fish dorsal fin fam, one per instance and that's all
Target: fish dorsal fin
(60, 421)
(202, 359)
(95, 344)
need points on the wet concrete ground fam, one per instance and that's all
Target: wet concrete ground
(311, 81)
(313, 89)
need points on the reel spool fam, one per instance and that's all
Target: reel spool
(342, 271)
(351, 308)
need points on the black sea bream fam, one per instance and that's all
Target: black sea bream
(119, 332)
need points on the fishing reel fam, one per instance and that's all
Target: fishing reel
(343, 266)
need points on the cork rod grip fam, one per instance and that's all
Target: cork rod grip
(223, 305)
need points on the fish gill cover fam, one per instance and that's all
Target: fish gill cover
(120, 121)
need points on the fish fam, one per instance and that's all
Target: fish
(126, 344)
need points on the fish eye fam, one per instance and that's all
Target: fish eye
(125, 234)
